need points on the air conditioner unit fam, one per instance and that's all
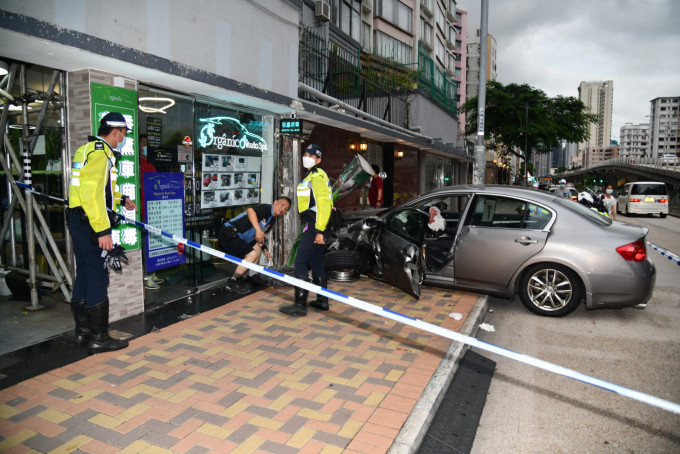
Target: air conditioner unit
(322, 10)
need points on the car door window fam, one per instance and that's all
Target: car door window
(409, 224)
(511, 213)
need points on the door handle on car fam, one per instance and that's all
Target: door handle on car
(525, 240)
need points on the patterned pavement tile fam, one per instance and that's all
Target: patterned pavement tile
(244, 378)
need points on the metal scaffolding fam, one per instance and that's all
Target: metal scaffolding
(37, 228)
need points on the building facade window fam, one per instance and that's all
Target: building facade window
(440, 17)
(397, 13)
(440, 51)
(426, 31)
(346, 15)
(387, 46)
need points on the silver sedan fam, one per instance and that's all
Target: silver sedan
(502, 241)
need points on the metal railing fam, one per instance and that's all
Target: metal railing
(338, 73)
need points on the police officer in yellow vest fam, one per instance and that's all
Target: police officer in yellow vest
(315, 203)
(91, 192)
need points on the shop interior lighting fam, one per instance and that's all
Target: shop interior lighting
(152, 104)
(398, 154)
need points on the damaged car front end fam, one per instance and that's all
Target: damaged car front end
(388, 247)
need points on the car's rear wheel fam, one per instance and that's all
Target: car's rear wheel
(663, 215)
(343, 265)
(551, 290)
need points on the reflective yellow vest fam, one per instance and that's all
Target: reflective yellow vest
(93, 184)
(315, 193)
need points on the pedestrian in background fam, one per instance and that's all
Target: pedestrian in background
(562, 190)
(375, 194)
(245, 237)
(92, 192)
(609, 201)
(151, 281)
(315, 203)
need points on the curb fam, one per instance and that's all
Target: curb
(414, 429)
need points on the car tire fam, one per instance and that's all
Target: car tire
(550, 290)
(340, 265)
(663, 215)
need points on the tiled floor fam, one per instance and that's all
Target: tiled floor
(244, 378)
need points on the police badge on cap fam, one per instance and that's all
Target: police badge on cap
(114, 120)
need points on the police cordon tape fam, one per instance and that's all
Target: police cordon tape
(669, 255)
(425, 326)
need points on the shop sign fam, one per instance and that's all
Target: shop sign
(185, 153)
(291, 127)
(164, 199)
(221, 132)
(107, 99)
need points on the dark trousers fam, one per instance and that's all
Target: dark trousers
(310, 255)
(92, 280)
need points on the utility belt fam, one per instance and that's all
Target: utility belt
(80, 212)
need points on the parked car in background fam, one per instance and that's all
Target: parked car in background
(643, 197)
(503, 241)
(669, 159)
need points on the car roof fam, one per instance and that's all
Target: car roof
(516, 191)
(646, 182)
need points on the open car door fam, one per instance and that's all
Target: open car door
(401, 249)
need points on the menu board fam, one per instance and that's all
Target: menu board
(154, 131)
(230, 180)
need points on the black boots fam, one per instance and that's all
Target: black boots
(82, 327)
(300, 306)
(98, 319)
(321, 302)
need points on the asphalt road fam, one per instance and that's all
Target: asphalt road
(529, 410)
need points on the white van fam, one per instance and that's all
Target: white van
(643, 197)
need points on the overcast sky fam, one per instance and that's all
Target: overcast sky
(553, 45)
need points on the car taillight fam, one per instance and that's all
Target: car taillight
(633, 252)
(635, 200)
(662, 200)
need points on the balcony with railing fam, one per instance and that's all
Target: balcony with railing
(378, 84)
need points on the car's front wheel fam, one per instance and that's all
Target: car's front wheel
(551, 290)
(343, 265)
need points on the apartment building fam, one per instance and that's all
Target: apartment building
(599, 98)
(664, 126)
(595, 155)
(634, 140)
(473, 60)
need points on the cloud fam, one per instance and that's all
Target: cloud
(553, 45)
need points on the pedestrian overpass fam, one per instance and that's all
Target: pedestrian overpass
(623, 170)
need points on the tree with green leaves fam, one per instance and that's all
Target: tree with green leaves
(513, 111)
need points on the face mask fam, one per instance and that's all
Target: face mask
(144, 151)
(308, 162)
(610, 191)
(563, 186)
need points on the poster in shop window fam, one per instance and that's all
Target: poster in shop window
(230, 180)
(164, 199)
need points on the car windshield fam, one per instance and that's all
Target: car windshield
(584, 211)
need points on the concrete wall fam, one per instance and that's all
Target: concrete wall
(436, 122)
(234, 39)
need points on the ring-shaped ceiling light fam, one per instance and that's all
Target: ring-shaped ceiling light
(169, 102)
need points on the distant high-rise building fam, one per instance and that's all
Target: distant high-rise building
(473, 61)
(634, 140)
(599, 98)
(664, 126)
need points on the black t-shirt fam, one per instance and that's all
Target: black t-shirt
(263, 211)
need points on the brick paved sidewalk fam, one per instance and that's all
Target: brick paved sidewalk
(244, 378)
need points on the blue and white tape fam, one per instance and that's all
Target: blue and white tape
(429, 327)
(669, 255)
